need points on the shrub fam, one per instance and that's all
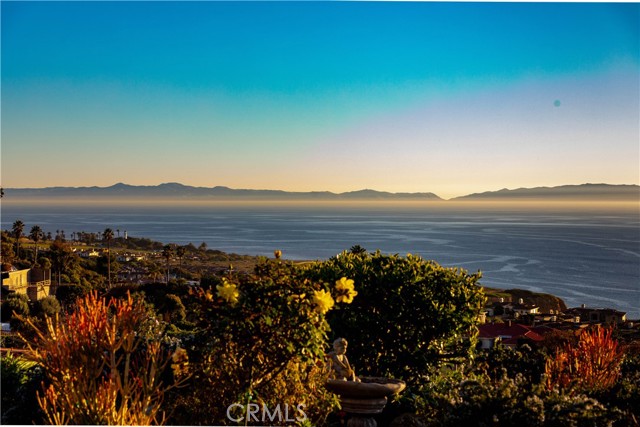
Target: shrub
(409, 313)
(479, 396)
(625, 394)
(526, 361)
(20, 380)
(576, 410)
(591, 365)
(101, 365)
(261, 338)
(48, 306)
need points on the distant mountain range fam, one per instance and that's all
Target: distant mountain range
(596, 192)
(591, 192)
(179, 191)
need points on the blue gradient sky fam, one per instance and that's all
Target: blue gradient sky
(451, 98)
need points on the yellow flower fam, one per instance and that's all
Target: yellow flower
(228, 291)
(344, 284)
(345, 290)
(323, 301)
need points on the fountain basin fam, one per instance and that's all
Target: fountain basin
(366, 397)
(368, 387)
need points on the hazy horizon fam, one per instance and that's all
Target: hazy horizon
(449, 98)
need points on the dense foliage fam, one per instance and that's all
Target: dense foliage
(409, 313)
(20, 382)
(507, 387)
(259, 338)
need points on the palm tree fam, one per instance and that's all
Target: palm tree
(36, 234)
(167, 253)
(180, 252)
(107, 235)
(18, 228)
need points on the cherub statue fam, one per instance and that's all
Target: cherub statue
(339, 366)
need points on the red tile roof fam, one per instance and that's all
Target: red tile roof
(506, 331)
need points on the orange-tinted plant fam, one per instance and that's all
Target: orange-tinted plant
(593, 364)
(103, 366)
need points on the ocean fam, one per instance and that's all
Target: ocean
(584, 254)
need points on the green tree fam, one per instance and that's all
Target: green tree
(107, 264)
(18, 228)
(44, 262)
(36, 234)
(62, 257)
(409, 313)
(172, 308)
(357, 249)
(48, 306)
(6, 253)
(107, 236)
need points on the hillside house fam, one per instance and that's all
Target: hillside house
(507, 334)
(521, 308)
(597, 315)
(35, 283)
(89, 254)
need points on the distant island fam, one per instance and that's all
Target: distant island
(176, 191)
(597, 192)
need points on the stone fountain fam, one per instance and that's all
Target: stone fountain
(362, 397)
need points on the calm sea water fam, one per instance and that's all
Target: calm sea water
(589, 256)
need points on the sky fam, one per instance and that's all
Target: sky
(450, 98)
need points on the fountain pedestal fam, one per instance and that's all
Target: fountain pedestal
(362, 400)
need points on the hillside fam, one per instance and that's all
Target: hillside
(587, 192)
(185, 192)
(545, 301)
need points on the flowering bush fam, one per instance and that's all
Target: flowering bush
(409, 313)
(261, 338)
